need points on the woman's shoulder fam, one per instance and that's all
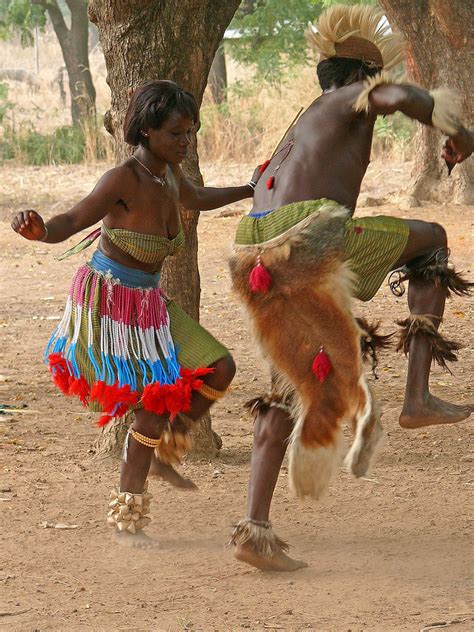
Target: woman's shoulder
(119, 177)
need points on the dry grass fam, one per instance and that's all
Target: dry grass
(41, 106)
(255, 117)
(245, 129)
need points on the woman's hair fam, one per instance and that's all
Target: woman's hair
(151, 104)
(341, 71)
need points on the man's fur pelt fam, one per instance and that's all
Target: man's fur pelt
(309, 306)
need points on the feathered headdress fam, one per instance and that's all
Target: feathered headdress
(358, 32)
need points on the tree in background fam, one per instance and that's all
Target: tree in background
(272, 34)
(218, 76)
(21, 16)
(26, 15)
(145, 40)
(440, 38)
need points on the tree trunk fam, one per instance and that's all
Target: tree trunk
(74, 47)
(144, 40)
(440, 40)
(218, 77)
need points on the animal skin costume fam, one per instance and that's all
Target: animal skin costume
(122, 344)
(297, 270)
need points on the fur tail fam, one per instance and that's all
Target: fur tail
(367, 433)
(311, 466)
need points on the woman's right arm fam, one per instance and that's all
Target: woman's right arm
(107, 192)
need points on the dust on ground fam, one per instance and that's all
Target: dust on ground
(390, 552)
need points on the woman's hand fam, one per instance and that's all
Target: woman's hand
(257, 174)
(30, 225)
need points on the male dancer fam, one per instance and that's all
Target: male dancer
(300, 258)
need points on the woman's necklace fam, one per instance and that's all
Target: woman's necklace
(160, 179)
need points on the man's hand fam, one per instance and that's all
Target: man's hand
(458, 148)
(30, 225)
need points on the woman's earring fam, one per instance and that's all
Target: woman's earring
(144, 134)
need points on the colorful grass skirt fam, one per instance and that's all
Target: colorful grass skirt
(122, 344)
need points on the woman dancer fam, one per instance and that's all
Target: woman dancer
(122, 344)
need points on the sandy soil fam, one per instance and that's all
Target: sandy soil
(390, 552)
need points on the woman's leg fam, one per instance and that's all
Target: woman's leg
(134, 470)
(218, 380)
(166, 472)
(132, 499)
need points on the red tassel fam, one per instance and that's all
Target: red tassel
(152, 398)
(270, 182)
(166, 399)
(192, 376)
(80, 388)
(263, 166)
(104, 420)
(260, 279)
(115, 400)
(172, 399)
(321, 365)
(358, 230)
(60, 371)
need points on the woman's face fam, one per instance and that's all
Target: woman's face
(171, 141)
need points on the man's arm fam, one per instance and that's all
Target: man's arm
(428, 108)
(412, 101)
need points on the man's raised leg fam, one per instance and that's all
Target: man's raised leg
(420, 337)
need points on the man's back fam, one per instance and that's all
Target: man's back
(329, 157)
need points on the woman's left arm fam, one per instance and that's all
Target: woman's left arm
(208, 198)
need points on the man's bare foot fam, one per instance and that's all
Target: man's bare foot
(170, 475)
(433, 412)
(278, 562)
(137, 540)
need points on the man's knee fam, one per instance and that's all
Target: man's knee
(441, 237)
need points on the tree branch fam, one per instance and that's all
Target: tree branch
(56, 17)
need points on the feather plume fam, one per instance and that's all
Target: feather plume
(362, 104)
(442, 349)
(340, 22)
(447, 110)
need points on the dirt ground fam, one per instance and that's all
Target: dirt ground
(390, 552)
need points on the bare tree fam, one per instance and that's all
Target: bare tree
(173, 39)
(440, 38)
(74, 47)
(218, 76)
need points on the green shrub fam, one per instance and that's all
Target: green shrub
(392, 133)
(66, 145)
(5, 104)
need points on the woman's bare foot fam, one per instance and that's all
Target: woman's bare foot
(170, 475)
(137, 540)
(433, 412)
(278, 562)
